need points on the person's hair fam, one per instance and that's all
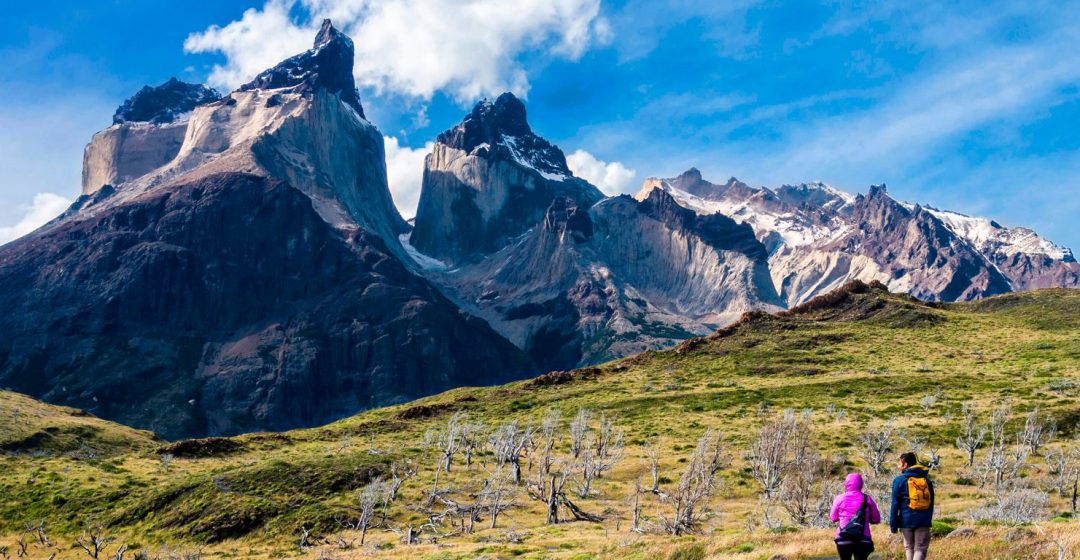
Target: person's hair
(909, 459)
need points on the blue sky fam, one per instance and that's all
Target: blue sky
(967, 106)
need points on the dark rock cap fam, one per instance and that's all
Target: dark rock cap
(327, 65)
(487, 122)
(164, 103)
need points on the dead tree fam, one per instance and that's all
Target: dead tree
(448, 439)
(399, 473)
(37, 529)
(875, 446)
(472, 439)
(1061, 464)
(509, 442)
(499, 492)
(1037, 431)
(800, 491)
(93, 541)
(579, 428)
(995, 462)
(780, 445)
(545, 439)
(652, 456)
(369, 498)
(689, 502)
(607, 447)
(971, 433)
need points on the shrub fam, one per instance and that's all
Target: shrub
(940, 529)
(692, 551)
(1015, 507)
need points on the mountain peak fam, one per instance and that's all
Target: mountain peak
(164, 103)
(690, 175)
(327, 33)
(327, 65)
(488, 122)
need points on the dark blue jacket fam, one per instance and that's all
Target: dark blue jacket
(900, 515)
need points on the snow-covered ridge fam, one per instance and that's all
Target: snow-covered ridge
(794, 228)
(531, 159)
(988, 236)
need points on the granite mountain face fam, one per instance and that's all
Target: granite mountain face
(819, 238)
(487, 181)
(236, 263)
(246, 277)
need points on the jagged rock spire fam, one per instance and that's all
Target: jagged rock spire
(328, 65)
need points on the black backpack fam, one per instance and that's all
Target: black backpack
(855, 530)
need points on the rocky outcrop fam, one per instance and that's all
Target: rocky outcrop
(228, 305)
(623, 276)
(819, 238)
(148, 130)
(299, 122)
(165, 103)
(328, 66)
(487, 181)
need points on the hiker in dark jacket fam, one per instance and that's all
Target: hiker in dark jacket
(912, 508)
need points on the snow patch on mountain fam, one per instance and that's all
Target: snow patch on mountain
(988, 236)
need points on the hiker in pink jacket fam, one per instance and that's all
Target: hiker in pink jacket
(845, 509)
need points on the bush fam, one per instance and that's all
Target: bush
(692, 551)
(964, 481)
(940, 529)
(1016, 507)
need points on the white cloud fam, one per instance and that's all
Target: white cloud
(405, 174)
(468, 49)
(611, 178)
(45, 207)
(259, 40)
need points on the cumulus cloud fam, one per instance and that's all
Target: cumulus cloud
(45, 207)
(405, 173)
(259, 40)
(413, 47)
(612, 178)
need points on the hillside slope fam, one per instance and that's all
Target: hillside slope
(854, 358)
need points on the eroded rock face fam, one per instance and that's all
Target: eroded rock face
(228, 305)
(128, 151)
(487, 181)
(148, 131)
(624, 276)
(819, 238)
(299, 122)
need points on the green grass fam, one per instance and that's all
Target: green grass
(872, 355)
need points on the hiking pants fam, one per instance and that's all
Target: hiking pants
(916, 541)
(854, 551)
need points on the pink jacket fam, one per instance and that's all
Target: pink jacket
(846, 505)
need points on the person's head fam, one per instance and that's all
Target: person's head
(853, 482)
(908, 460)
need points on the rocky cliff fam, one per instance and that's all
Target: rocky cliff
(819, 238)
(488, 180)
(228, 305)
(250, 281)
(301, 122)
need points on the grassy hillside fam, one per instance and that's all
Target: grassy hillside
(852, 360)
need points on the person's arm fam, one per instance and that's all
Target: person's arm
(875, 514)
(933, 498)
(834, 514)
(894, 506)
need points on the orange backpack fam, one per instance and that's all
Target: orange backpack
(918, 493)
